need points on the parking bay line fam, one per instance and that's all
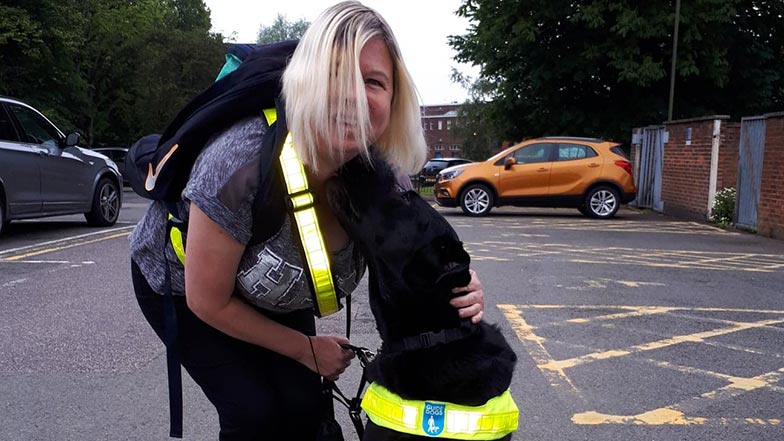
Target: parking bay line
(674, 414)
(69, 242)
(560, 365)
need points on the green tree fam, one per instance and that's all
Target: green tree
(109, 69)
(473, 124)
(282, 29)
(601, 67)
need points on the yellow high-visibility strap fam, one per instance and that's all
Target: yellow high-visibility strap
(325, 296)
(175, 235)
(492, 420)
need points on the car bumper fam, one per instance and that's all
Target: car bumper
(628, 197)
(446, 202)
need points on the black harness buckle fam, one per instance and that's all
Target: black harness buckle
(424, 339)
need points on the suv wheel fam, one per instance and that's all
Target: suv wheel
(602, 202)
(106, 204)
(476, 200)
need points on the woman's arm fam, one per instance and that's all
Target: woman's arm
(213, 257)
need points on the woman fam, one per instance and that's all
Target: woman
(246, 326)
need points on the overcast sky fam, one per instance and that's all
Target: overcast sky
(421, 28)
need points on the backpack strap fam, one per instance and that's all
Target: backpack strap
(171, 339)
(301, 204)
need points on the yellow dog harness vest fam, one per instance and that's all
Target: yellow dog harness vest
(492, 420)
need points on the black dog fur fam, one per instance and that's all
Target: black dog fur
(414, 260)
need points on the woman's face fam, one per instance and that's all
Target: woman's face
(376, 67)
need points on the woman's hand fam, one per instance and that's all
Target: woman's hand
(471, 304)
(327, 358)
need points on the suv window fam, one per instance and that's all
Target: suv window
(619, 151)
(7, 131)
(435, 164)
(569, 152)
(36, 130)
(115, 155)
(533, 154)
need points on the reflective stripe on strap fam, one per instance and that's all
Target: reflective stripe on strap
(175, 235)
(492, 420)
(301, 199)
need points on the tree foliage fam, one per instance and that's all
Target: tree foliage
(282, 29)
(109, 69)
(601, 67)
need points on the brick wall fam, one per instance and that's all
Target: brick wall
(770, 220)
(635, 150)
(686, 168)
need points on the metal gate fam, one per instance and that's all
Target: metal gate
(751, 154)
(649, 178)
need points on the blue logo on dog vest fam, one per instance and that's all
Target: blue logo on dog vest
(433, 421)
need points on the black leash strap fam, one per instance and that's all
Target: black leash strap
(354, 405)
(172, 352)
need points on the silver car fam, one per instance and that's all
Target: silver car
(44, 173)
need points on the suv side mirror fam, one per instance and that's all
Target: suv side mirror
(71, 139)
(510, 161)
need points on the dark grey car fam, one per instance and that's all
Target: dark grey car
(116, 154)
(44, 173)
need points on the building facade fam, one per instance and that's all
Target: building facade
(439, 123)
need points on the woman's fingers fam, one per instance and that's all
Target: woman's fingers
(471, 304)
(332, 359)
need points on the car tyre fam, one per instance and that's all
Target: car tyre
(602, 202)
(476, 200)
(106, 204)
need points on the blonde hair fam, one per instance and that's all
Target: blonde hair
(323, 81)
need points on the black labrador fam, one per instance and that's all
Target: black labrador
(414, 260)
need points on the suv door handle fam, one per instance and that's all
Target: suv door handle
(543, 169)
(593, 164)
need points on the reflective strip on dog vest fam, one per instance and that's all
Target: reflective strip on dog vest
(175, 235)
(492, 420)
(325, 297)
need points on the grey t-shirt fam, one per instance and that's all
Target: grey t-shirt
(223, 184)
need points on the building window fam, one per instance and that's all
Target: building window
(440, 127)
(439, 147)
(431, 125)
(449, 124)
(454, 147)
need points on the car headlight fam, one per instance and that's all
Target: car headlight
(445, 176)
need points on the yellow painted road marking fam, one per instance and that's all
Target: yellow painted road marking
(685, 412)
(560, 365)
(613, 226)
(653, 258)
(622, 315)
(534, 346)
(65, 246)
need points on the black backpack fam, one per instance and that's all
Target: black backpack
(158, 166)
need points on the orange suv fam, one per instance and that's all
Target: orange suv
(589, 174)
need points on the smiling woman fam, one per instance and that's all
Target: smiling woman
(247, 338)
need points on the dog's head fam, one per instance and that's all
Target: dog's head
(414, 256)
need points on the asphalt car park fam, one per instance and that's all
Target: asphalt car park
(640, 327)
